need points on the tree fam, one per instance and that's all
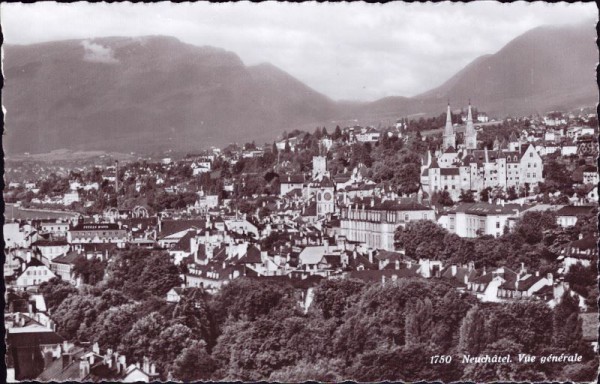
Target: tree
(91, 271)
(466, 196)
(112, 324)
(532, 225)
(471, 332)
(55, 291)
(484, 195)
(74, 315)
(333, 297)
(443, 198)
(193, 363)
(561, 336)
(136, 343)
(422, 238)
(418, 322)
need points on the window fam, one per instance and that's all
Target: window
(530, 154)
(497, 224)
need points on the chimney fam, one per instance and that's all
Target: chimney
(550, 278)
(382, 279)
(397, 264)
(96, 348)
(146, 365)
(471, 266)
(122, 365)
(152, 369)
(517, 284)
(84, 368)
(454, 270)
(371, 256)
(484, 272)
(66, 360)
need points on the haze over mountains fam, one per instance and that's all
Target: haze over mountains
(154, 93)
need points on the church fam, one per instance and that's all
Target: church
(466, 167)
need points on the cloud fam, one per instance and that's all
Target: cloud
(97, 53)
(344, 50)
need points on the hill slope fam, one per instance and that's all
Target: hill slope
(153, 93)
(543, 69)
(145, 94)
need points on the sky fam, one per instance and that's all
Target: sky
(347, 51)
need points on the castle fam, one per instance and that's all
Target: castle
(455, 168)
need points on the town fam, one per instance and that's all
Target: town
(106, 260)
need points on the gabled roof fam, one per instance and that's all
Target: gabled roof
(170, 227)
(68, 258)
(184, 243)
(572, 210)
(252, 256)
(326, 183)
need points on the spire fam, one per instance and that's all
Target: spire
(470, 114)
(449, 135)
(470, 133)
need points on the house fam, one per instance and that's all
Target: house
(288, 183)
(63, 266)
(18, 235)
(51, 249)
(524, 286)
(486, 286)
(177, 293)
(56, 229)
(582, 251)
(460, 276)
(28, 344)
(475, 219)
(567, 215)
(35, 273)
(170, 232)
(70, 198)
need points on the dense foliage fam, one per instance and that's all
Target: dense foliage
(255, 330)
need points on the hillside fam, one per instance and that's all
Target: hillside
(155, 93)
(546, 68)
(141, 94)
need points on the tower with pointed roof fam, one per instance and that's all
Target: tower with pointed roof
(449, 134)
(470, 132)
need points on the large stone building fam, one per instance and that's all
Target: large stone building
(373, 221)
(475, 169)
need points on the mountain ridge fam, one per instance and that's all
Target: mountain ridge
(105, 93)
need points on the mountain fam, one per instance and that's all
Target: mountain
(155, 93)
(545, 68)
(142, 94)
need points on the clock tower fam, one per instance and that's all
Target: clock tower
(325, 197)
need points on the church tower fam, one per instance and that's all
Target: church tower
(470, 132)
(319, 164)
(449, 135)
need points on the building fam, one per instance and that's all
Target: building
(35, 273)
(476, 219)
(70, 198)
(374, 221)
(478, 169)
(325, 197)
(97, 233)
